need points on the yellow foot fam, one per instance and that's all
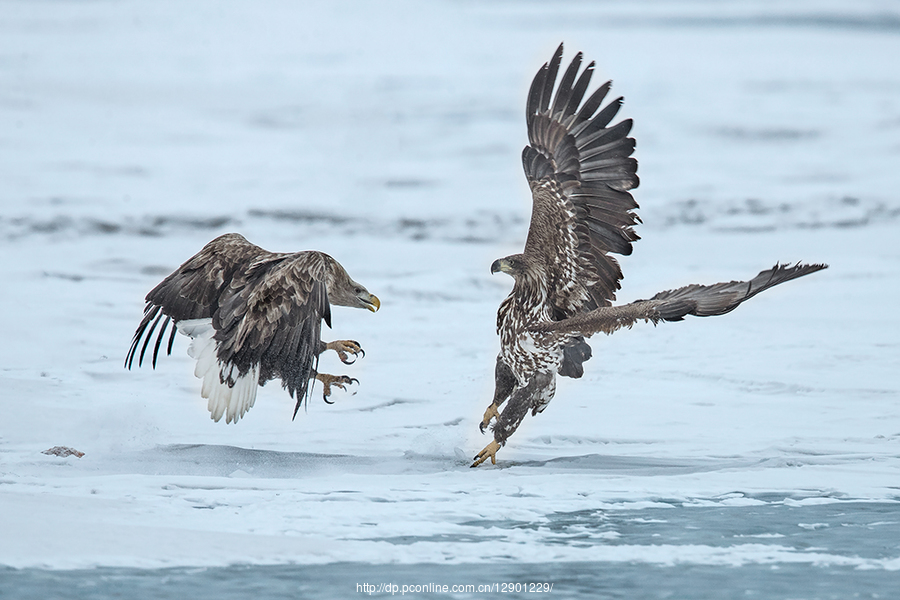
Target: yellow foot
(345, 348)
(341, 381)
(490, 412)
(490, 451)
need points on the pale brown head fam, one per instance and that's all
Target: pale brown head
(343, 291)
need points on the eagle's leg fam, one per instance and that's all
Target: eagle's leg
(341, 381)
(535, 394)
(504, 384)
(344, 349)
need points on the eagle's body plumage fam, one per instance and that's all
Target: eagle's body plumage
(580, 171)
(252, 316)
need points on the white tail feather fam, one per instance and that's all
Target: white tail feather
(232, 402)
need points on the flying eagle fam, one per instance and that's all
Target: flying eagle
(580, 171)
(252, 315)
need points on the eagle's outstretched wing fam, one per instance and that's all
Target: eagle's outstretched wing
(580, 170)
(674, 305)
(192, 291)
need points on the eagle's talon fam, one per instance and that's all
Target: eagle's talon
(339, 381)
(490, 451)
(345, 348)
(490, 412)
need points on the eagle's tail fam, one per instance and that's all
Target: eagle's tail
(575, 354)
(229, 393)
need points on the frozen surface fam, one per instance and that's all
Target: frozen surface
(720, 449)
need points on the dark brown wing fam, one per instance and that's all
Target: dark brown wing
(580, 170)
(674, 305)
(192, 291)
(271, 315)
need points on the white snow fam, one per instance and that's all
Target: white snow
(388, 135)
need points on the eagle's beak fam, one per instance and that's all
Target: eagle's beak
(373, 303)
(497, 266)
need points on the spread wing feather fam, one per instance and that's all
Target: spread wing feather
(580, 171)
(674, 305)
(192, 291)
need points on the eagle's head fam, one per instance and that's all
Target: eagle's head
(363, 299)
(511, 265)
(356, 295)
(529, 275)
(343, 291)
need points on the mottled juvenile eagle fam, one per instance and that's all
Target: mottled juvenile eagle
(580, 171)
(252, 315)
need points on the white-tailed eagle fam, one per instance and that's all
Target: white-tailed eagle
(580, 171)
(252, 316)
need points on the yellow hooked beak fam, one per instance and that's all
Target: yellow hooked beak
(374, 303)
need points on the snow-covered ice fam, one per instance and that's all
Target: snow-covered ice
(388, 135)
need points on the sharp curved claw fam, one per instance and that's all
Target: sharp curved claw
(490, 451)
(347, 348)
(339, 381)
(490, 414)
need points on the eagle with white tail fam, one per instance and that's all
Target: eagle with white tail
(580, 171)
(252, 316)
